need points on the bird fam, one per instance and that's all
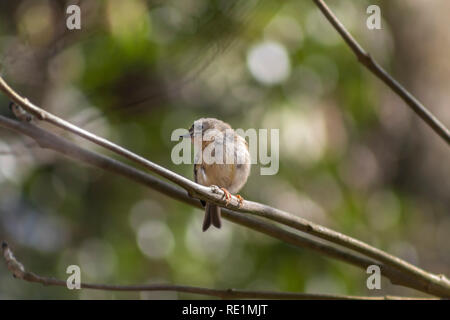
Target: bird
(228, 170)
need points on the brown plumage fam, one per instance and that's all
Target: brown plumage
(231, 174)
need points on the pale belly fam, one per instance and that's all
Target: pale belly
(229, 176)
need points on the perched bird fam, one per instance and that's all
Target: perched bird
(223, 161)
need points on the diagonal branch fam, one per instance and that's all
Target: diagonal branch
(367, 60)
(18, 271)
(436, 284)
(51, 141)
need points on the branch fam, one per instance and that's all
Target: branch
(435, 284)
(18, 149)
(51, 141)
(18, 271)
(367, 60)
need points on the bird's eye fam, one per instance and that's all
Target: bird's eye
(205, 126)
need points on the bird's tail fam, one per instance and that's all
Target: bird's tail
(212, 215)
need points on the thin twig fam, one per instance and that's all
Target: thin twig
(51, 141)
(367, 60)
(19, 271)
(437, 284)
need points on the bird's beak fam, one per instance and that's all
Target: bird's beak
(187, 135)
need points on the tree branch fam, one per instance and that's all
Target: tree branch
(436, 284)
(51, 141)
(367, 60)
(19, 271)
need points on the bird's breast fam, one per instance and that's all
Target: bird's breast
(231, 176)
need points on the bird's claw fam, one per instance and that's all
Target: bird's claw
(227, 195)
(240, 200)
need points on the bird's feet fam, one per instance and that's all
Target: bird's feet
(240, 199)
(227, 195)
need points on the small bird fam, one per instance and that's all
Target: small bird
(230, 169)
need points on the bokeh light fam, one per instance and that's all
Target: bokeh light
(269, 63)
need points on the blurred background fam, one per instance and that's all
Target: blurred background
(353, 156)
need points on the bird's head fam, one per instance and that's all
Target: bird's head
(203, 125)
